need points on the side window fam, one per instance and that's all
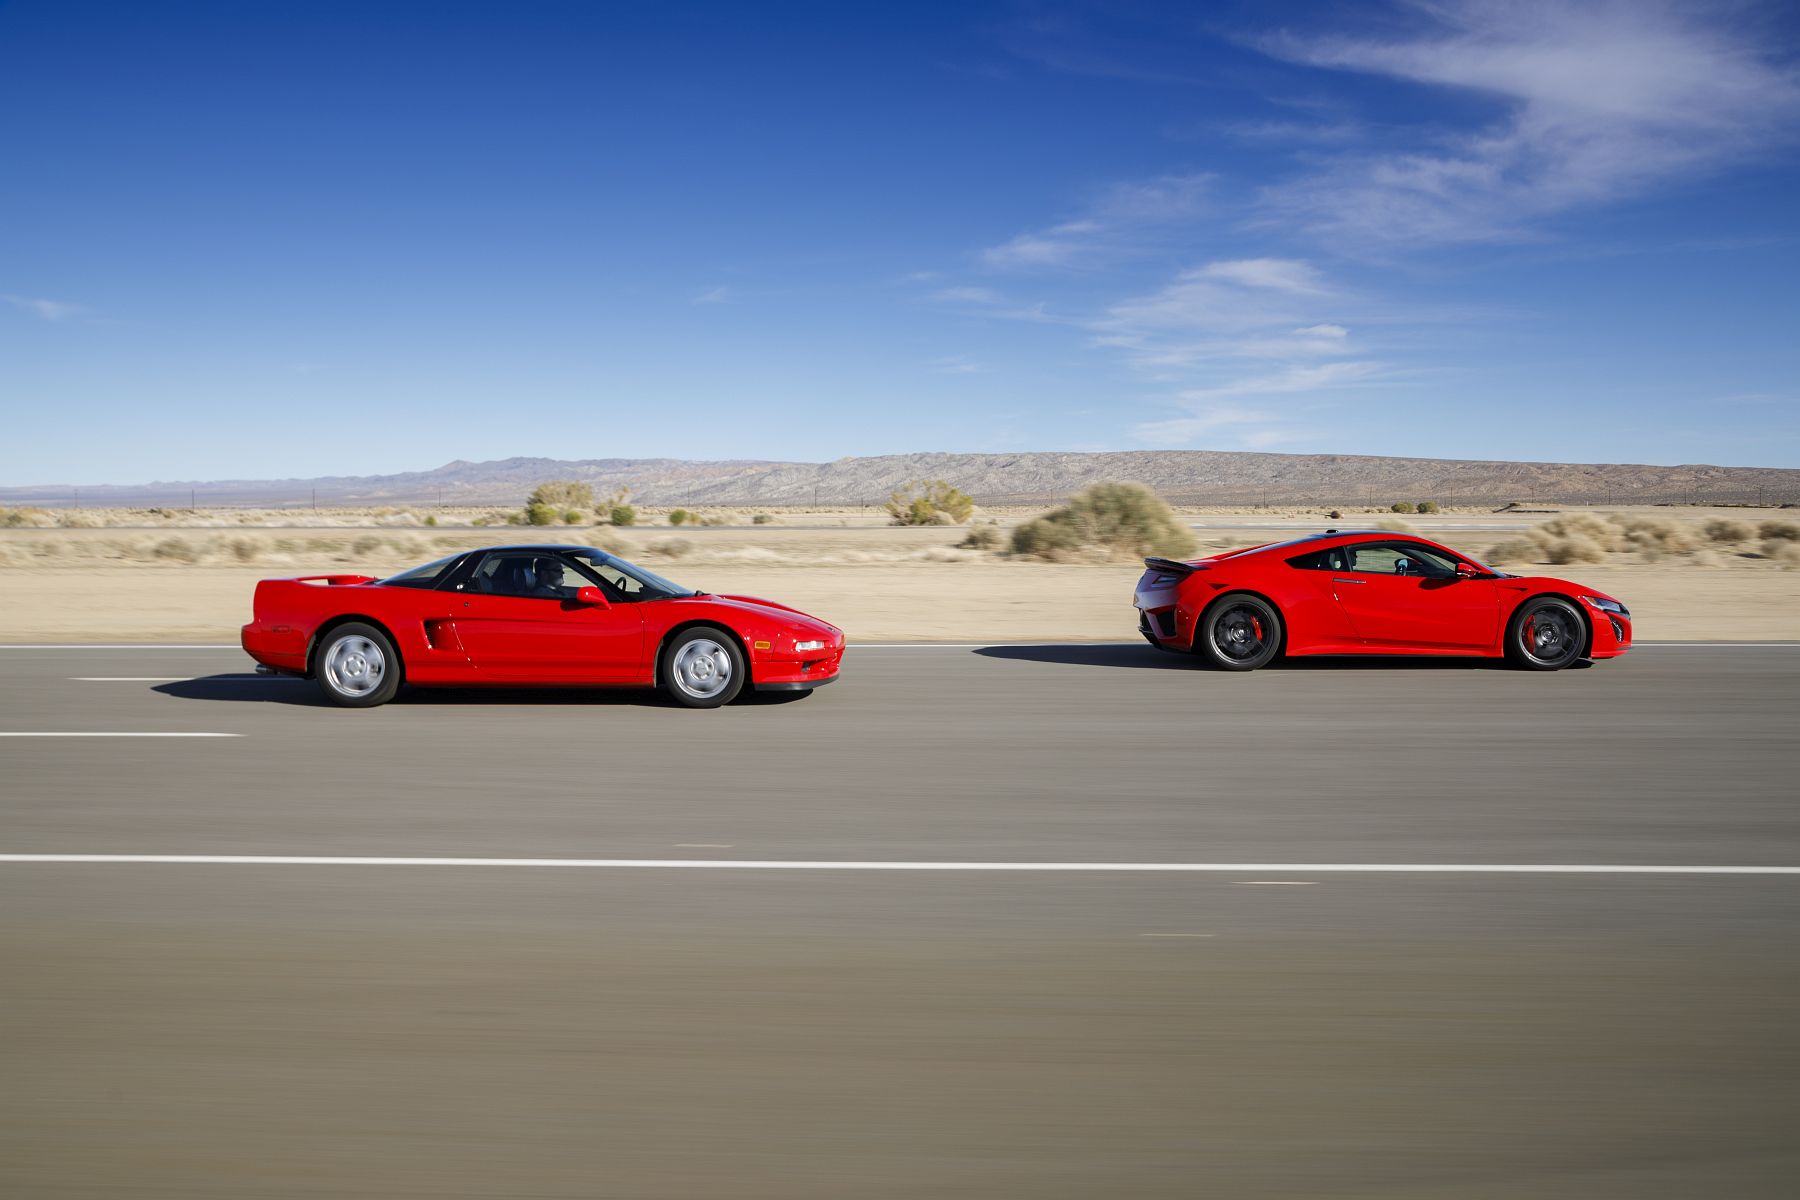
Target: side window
(538, 576)
(1337, 558)
(1391, 558)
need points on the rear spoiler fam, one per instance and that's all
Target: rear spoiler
(1171, 566)
(333, 580)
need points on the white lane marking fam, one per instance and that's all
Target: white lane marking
(87, 734)
(704, 845)
(756, 864)
(1178, 935)
(1277, 883)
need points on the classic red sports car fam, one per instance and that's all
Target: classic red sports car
(1371, 592)
(534, 616)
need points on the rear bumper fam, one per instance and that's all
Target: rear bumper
(282, 647)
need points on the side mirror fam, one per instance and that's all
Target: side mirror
(1465, 571)
(591, 596)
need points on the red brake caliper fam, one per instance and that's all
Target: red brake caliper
(1256, 625)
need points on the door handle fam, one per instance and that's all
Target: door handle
(1358, 582)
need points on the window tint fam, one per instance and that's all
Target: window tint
(1400, 558)
(539, 576)
(427, 576)
(1335, 559)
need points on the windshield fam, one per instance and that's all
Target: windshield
(427, 576)
(628, 579)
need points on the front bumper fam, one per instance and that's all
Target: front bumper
(812, 669)
(1612, 632)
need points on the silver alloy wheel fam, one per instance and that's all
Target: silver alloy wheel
(702, 668)
(355, 666)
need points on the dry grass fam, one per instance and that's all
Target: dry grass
(1598, 538)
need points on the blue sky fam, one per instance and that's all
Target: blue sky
(271, 240)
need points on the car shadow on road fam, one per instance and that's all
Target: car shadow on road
(304, 693)
(1146, 657)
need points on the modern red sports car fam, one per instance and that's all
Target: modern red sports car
(534, 616)
(1371, 592)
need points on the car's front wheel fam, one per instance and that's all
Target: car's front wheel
(702, 667)
(1239, 633)
(357, 666)
(1546, 634)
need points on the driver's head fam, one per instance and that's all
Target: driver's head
(549, 573)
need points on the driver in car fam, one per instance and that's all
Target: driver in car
(551, 582)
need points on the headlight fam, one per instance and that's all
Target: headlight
(803, 647)
(1605, 605)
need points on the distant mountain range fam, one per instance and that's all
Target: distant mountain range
(1187, 476)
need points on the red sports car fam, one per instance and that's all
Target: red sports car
(1371, 592)
(534, 616)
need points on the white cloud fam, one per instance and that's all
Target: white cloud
(1278, 274)
(1118, 222)
(1323, 331)
(714, 295)
(967, 295)
(49, 310)
(1601, 102)
(956, 364)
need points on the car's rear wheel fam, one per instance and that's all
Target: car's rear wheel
(357, 667)
(702, 667)
(1239, 633)
(1546, 634)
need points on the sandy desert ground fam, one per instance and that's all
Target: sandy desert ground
(193, 583)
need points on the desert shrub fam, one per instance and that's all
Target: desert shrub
(1654, 533)
(1402, 506)
(1115, 520)
(623, 514)
(671, 547)
(572, 517)
(604, 510)
(762, 519)
(1395, 526)
(78, 518)
(540, 514)
(1574, 548)
(929, 502)
(366, 545)
(1428, 506)
(19, 518)
(1782, 551)
(680, 516)
(1335, 515)
(1517, 550)
(1779, 531)
(980, 537)
(1728, 532)
(175, 550)
(431, 520)
(560, 494)
(244, 549)
(394, 519)
(517, 517)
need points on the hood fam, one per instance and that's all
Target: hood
(784, 613)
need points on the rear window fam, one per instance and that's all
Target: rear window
(425, 577)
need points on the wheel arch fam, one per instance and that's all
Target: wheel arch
(1581, 614)
(342, 619)
(1227, 593)
(674, 631)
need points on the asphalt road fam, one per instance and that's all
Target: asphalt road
(386, 1030)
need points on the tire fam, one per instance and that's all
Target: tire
(357, 666)
(1545, 634)
(702, 667)
(1239, 632)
